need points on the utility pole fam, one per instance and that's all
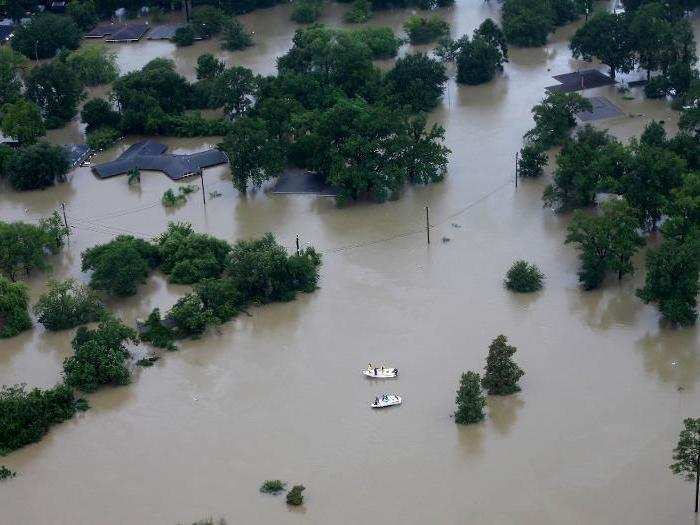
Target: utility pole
(201, 179)
(297, 244)
(65, 219)
(697, 481)
(517, 168)
(427, 223)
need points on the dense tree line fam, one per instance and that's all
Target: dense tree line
(527, 23)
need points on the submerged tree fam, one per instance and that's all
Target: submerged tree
(68, 304)
(686, 455)
(502, 373)
(606, 37)
(470, 399)
(14, 317)
(524, 277)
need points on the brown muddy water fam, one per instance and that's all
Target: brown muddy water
(279, 394)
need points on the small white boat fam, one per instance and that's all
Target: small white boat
(380, 372)
(386, 400)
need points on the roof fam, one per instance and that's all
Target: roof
(164, 32)
(76, 153)
(130, 33)
(150, 155)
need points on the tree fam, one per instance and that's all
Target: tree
(94, 65)
(502, 374)
(184, 36)
(523, 277)
(532, 161)
(209, 67)
(83, 13)
(555, 118)
(100, 356)
(425, 30)
(360, 12)
(237, 85)
(605, 36)
(57, 90)
(98, 113)
(470, 400)
(526, 23)
(672, 279)
(14, 317)
(478, 61)
(254, 156)
(607, 242)
(25, 246)
(494, 35)
(67, 304)
(22, 121)
(417, 81)
(235, 36)
(424, 156)
(11, 63)
(307, 11)
(45, 35)
(37, 166)
(54, 231)
(190, 316)
(120, 265)
(686, 455)
(208, 21)
(649, 30)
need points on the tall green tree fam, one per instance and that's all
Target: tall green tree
(237, 85)
(44, 35)
(502, 374)
(649, 31)
(37, 167)
(57, 90)
(67, 304)
(555, 117)
(416, 80)
(424, 155)
(11, 65)
(470, 400)
(14, 317)
(22, 121)
(83, 13)
(606, 37)
(209, 67)
(686, 455)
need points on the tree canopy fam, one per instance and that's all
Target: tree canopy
(67, 304)
(470, 400)
(56, 89)
(501, 374)
(45, 35)
(14, 317)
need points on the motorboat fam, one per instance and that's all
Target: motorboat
(386, 400)
(380, 372)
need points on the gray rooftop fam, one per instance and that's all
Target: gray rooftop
(164, 32)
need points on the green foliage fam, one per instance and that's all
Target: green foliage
(523, 277)
(83, 13)
(685, 455)
(44, 35)
(272, 486)
(416, 81)
(22, 121)
(120, 265)
(555, 118)
(155, 332)
(11, 63)
(672, 279)
(526, 23)
(6, 473)
(25, 246)
(295, 496)
(470, 400)
(237, 85)
(532, 161)
(134, 176)
(188, 257)
(56, 89)
(190, 317)
(235, 36)
(607, 242)
(26, 416)
(98, 113)
(100, 356)
(54, 231)
(67, 304)
(14, 317)
(209, 67)
(208, 21)
(380, 41)
(307, 11)
(184, 36)
(221, 297)
(425, 30)
(37, 167)
(605, 36)
(94, 65)
(360, 12)
(102, 138)
(502, 374)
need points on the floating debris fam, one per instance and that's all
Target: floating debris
(446, 239)
(455, 225)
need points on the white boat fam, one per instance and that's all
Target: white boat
(386, 400)
(381, 372)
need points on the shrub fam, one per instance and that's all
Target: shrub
(235, 36)
(155, 332)
(657, 87)
(100, 356)
(272, 486)
(102, 138)
(68, 304)
(307, 11)
(208, 21)
(502, 373)
(6, 473)
(523, 277)
(470, 400)
(190, 317)
(360, 12)
(120, 265)
(184, 36)
(26, 416)
(295, 496)
(425, 30)
(14, 317)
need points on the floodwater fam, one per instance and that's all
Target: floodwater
(279, 394)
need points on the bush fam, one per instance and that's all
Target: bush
(470, 400)
(26, 416)
(14, 317)
(272, 486)
(100, 356)
(94, 65)
(68, 304)
(502, 373)
(235, 36)
(155, 332)
(523, 277)
(190, 317)
(381, 41)
(307, 11)
(120, 265)
(657, 87)
(360, 12)
(425, 30)
(221, 297)
(295, 496)
(184, 36)
(102, 138)
(37, 167)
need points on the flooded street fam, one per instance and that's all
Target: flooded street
(279, 394)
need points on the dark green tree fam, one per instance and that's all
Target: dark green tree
(235, 36)
(686, 455)
(606, 37)
(532, 161)
(45, 35)
(83, 13)
(649, 30)
(526, 23)
(184, 36)
(14, 317)
(470, 400)
(237, 85)
(416, 80)
(67, 304)
(94, 65)
(57, 90)
(523, 277)
(422, 30)
(208, 20)
(11, 64)
(555, 117)
(478, 61)
(209, 67)
(98, 113)
(37, 167)
(424, 155)
(307, 11)
(501, 374)
(22, 121)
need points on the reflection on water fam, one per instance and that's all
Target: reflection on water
(279, 394)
